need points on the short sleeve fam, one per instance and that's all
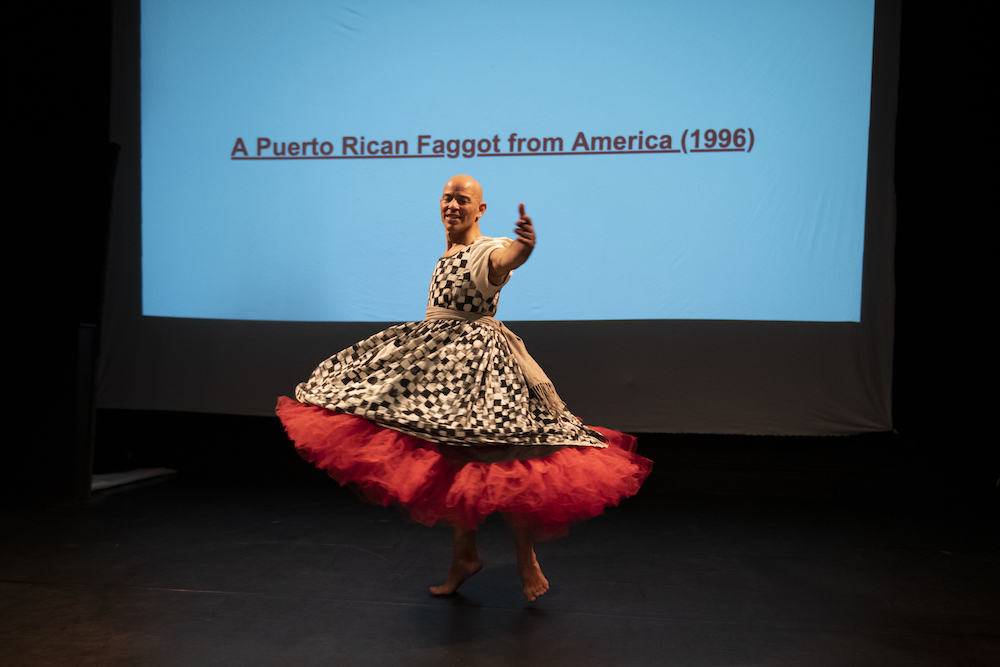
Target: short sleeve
(479, 262)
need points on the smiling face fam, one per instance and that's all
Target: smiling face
(461, 207)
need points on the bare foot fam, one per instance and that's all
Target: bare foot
(535, 583)
(459, 572)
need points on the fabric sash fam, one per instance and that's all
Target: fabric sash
(537, 381)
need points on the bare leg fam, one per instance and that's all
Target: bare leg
(465, 562)
(535, 583)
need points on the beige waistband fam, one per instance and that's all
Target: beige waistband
(539, 383)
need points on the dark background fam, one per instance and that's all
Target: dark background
(940, 449)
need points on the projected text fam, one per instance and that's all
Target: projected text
(700, 140)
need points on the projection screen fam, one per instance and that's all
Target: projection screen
(711, 183)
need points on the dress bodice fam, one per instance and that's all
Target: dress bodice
(461, 281)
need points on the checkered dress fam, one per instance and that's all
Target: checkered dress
(451, 382)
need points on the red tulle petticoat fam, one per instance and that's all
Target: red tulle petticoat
(386, 466)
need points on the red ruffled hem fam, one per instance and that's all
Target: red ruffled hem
(388, 467)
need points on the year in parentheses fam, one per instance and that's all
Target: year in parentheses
(718, 141)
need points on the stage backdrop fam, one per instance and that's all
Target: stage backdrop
(711, 183)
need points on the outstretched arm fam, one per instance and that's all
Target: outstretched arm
(505, 260)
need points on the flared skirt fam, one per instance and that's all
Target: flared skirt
(435, 483)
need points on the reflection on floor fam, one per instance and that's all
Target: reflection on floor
(189, 572)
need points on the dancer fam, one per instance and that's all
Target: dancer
(452, 420)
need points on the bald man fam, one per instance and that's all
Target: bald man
(461, 207)
(452, 418)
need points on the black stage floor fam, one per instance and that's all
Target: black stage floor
(192, 572)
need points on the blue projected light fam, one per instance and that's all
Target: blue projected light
(699, 159)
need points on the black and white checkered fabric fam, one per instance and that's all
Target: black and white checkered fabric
(452, 286)
(452, 382)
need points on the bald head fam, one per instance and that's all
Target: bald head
(467, 183)
(461, 207)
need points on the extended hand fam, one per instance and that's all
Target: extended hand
(503, 261)
(525, 229)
